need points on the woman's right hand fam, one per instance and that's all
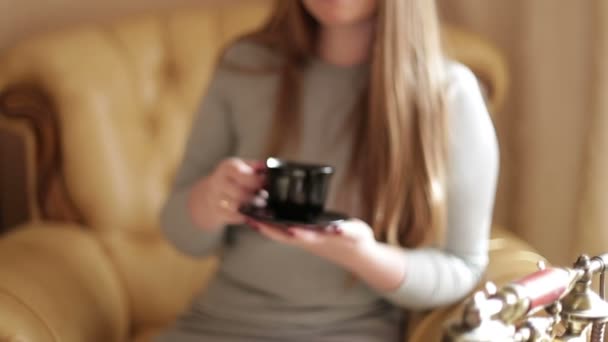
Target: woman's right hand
(215, 200)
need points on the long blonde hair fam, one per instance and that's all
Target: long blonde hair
(399, 144)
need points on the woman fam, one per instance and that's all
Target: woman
(361, 85)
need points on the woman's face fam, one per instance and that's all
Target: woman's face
(334, 13)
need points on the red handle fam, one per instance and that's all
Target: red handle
(545, 286)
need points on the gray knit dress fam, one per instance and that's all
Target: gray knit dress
(266, 291)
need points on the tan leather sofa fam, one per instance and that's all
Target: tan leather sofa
(102, 113)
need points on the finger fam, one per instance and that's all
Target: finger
(306, 235)
(258, 201)
(332, 229)
(236, 165)
(230, 216)
(243, 175)
(252, 183)
(235, 194)
(239, 166)
(225, 203)
(263, 194)
(354, 229)
(257, 165)
(272, 233)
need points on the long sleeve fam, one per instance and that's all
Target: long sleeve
(441, 276)
(209, 142)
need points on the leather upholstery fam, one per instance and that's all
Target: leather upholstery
(67, 288)
(17, 182)
(109, 108)
(159, 282)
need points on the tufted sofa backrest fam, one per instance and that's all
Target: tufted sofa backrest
(123, 96)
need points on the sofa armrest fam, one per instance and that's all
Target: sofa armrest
(57, 284)
(17, 165)
(510, 259)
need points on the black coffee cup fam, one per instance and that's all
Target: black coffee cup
(296, 191)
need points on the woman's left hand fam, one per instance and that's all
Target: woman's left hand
(342, 244)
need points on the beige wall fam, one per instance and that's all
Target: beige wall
(19, 18)
(550, 162)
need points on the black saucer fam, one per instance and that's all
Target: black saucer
(264, 215)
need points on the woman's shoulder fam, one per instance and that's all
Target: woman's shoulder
(463, 90)
(245, 53)
(460, 78)
(469, 120)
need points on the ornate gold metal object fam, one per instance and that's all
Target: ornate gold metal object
(508, 314)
